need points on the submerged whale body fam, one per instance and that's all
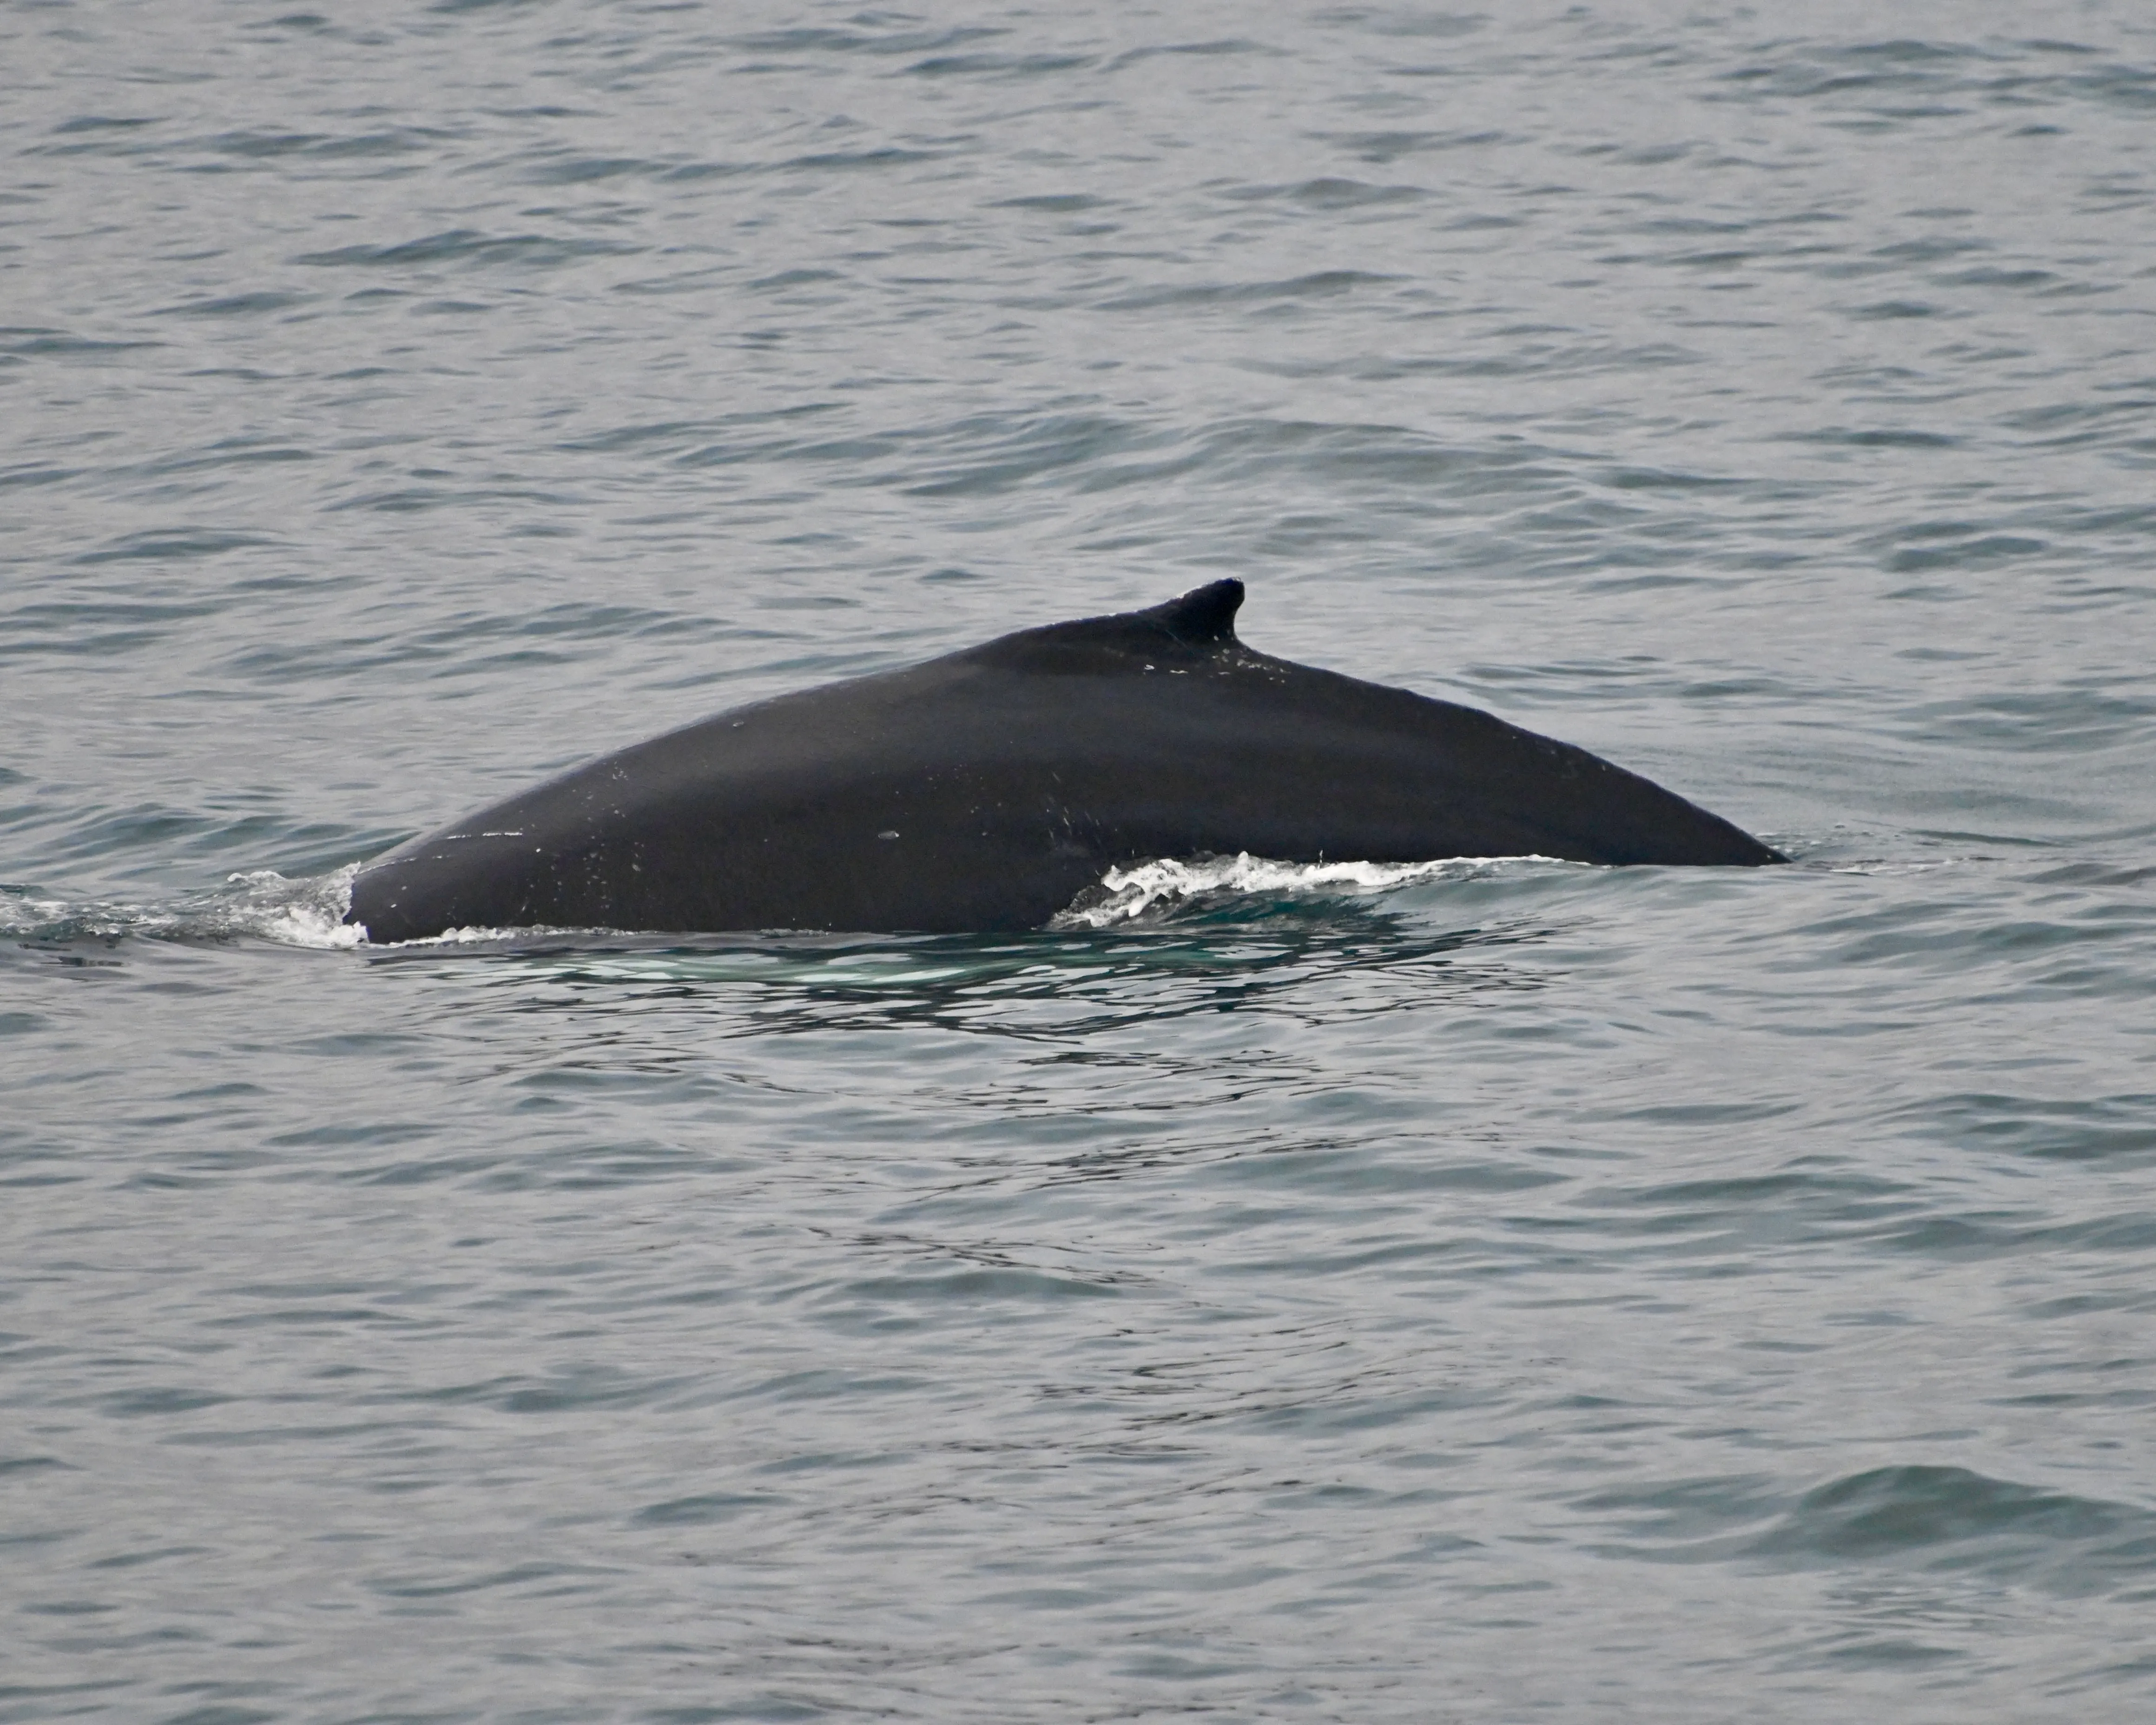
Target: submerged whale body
(986, 790)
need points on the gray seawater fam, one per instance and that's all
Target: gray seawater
(1526, 1292)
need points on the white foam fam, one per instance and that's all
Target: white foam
(308, 912)
(1162, 885)
(21, 914)
(475, 936)
(311, 912)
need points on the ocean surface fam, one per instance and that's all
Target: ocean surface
(1515, 1292)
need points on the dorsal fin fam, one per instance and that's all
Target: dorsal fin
(1204, 616)
(1200, 623)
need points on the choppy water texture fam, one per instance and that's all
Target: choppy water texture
(1516, 1292)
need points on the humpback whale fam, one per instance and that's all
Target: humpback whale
(985, 790)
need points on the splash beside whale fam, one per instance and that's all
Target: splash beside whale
(984, 791)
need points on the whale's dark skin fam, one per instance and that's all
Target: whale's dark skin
(984, 791)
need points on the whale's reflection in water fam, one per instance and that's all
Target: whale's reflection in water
(1237, 954)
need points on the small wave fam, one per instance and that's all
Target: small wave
(1168, 884)
(1897, 866)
